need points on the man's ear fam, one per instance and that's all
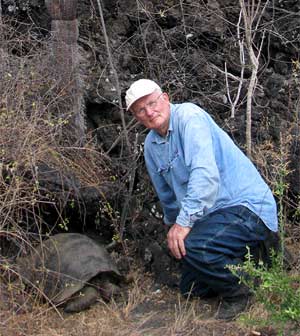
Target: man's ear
(166, 96)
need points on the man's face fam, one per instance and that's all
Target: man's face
(153, 111)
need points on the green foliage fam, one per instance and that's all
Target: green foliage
(64, 224)
(274, 288)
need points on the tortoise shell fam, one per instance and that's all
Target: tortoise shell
(63, 264)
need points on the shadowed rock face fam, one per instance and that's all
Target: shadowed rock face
(180, 47)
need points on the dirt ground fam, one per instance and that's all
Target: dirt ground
(149, 310)
(146, 307)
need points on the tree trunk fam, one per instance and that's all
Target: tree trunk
(64, 61)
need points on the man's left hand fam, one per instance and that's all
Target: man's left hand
(176, 236)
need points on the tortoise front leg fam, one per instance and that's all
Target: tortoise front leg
(82, 300)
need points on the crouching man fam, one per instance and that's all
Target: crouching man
(213, 198)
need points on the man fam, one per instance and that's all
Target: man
(213, 198)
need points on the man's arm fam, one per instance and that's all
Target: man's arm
(165, 193)
(199, 157)
(203, 183)
(177, 233)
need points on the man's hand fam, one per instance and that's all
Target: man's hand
(176, 236)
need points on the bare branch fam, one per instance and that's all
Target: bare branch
(115, 74)
(242, 61)
(249, 17)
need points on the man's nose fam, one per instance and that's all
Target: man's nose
(149, 111)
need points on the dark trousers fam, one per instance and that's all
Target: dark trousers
(215, 241)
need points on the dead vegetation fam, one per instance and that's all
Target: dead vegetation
(146, 310)
(39, 169)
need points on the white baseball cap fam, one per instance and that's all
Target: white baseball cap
(139, 89)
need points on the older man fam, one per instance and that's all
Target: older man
(213, 198)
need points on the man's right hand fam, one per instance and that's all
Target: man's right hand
(175, 237)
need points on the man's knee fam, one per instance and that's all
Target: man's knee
(205, 253)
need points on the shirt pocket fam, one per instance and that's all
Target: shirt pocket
(174, 169)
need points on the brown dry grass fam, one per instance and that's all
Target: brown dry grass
(148, 310)
(35, 125)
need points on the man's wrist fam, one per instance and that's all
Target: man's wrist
(184, 220)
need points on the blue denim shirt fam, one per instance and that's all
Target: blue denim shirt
(196, 168)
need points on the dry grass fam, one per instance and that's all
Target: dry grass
(145, 310)
(39, 168)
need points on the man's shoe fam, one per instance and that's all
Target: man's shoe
(231, 307)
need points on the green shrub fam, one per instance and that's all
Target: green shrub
(276, 289)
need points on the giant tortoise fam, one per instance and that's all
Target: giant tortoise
(71, 270)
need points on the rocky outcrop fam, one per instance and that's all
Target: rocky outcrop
(185, 47)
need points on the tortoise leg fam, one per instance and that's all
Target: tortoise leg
(108, 289)
(82, 300)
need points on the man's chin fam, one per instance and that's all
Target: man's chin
(157, 127)
(154, 124)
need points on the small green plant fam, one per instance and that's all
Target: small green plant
(64, 224)
(274, 288)
(116, 238)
